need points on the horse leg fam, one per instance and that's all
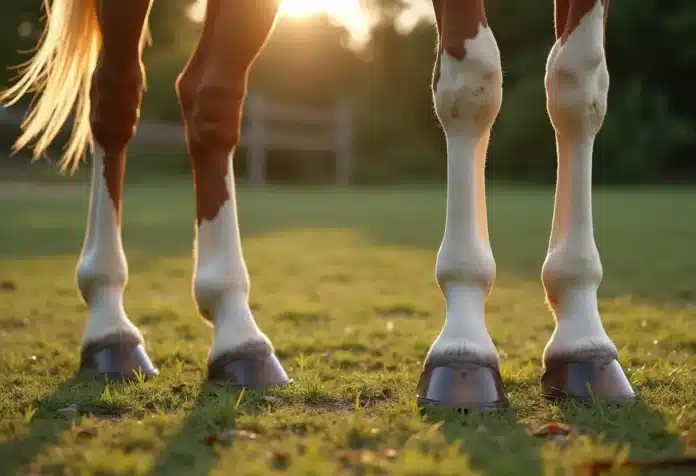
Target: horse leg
(211, 92)
(580, 359)
(461, 368)
(112, 345)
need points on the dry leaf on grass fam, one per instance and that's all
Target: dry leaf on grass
(227, 437)
(553, 428)
(87, 433)
(8, 285)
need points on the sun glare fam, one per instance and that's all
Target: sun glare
(347, 12)
(302, 8)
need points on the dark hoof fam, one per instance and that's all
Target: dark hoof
(586, 381)
(462, 386)
(257, 369)
(117, 358)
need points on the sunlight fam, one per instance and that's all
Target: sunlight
(302, 8)
(347, 12)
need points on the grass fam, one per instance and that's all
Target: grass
(343, 282)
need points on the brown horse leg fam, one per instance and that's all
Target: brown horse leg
(211, 92)
(112, 345)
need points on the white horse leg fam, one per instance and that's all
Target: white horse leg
(211, 91)
(461, 368)
(580, 359)
(112, 345)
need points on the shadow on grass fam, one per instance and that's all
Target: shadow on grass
(208, 427)
(53, 416)
(636, 424)
(498, 443)
(495, 443)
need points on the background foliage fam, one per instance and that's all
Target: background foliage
(649, 134)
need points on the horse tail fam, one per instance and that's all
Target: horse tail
(60, 73)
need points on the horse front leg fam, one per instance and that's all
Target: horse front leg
(580, 359)
(461, 368)
(211, 92)
(112, 344)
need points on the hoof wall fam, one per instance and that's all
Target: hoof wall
(255, 369)
(116, 359)
(462, 386)
(586, 382)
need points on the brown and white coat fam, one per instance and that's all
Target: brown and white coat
(91, 58)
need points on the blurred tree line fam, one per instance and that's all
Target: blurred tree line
(648, 136)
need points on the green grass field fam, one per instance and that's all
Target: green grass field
(343, 282)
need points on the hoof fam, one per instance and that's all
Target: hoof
(116, 357)
(586, 381)
(257, 369)
(462, 386)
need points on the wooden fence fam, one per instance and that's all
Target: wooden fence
(334, 135)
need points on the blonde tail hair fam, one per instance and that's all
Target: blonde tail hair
(60, 72)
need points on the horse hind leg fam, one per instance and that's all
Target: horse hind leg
(211, 92)
(112, 344)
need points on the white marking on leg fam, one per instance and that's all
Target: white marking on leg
(221, 280)
(102, 271)
(467, 100)
(577, 84)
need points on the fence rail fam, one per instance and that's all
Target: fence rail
(259, 138)
(336, 135)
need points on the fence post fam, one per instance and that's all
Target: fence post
(343, 135)
(256, 151)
